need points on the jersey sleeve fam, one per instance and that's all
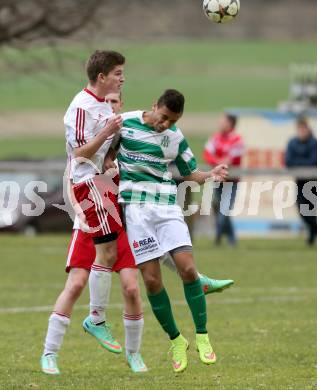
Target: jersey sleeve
(185, 160)
(79, 127)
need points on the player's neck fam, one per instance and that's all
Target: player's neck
(97, 90)
(147, 118)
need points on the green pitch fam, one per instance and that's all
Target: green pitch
(212, 75)
(32, 147)
(264, 329)
(51, 147)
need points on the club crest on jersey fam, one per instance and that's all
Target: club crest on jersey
(165, 141)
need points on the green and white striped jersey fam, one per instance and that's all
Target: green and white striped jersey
(144, 158)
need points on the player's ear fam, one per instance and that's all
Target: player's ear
(154, 107)
(101, 78)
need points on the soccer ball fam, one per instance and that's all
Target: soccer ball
(221, 11)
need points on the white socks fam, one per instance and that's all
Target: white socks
(57, 326)
(99, 287)
(133, 326)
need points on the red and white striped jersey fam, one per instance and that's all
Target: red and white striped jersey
(85, 117)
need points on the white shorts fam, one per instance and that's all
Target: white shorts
(154, 230)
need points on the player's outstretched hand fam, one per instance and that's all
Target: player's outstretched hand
(220, 173)
(114, 124)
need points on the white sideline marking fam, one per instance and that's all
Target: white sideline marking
(227, 301)
(239, 289)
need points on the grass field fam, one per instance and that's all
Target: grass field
(264, 329)
(51, 147)
(213, 75)
(32, 147)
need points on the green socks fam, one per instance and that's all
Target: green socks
(162, 310)
(196, 300)
(195, 297)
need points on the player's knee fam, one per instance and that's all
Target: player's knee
(188, 273)
(153, 285)
(131, 291)
(76, 288)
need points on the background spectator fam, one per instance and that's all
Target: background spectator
(225, 146)
(302, 152)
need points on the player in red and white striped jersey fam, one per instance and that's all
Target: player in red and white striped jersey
(90, 126)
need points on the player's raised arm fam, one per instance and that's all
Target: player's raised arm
(187, 166)
(87, 150)
(217, 174)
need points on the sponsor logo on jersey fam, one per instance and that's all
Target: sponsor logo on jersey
(137, 157)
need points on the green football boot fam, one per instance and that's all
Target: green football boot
(179, 352)
(136, 362)
(214, 285)
(103, 334)
(49, 364)
(206, 353)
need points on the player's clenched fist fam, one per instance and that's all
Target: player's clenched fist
(114, 124)
(220, 173)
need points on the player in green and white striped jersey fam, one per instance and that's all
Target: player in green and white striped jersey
(150, 141)
(145, 156)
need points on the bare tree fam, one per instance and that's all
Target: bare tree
(30, 20)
